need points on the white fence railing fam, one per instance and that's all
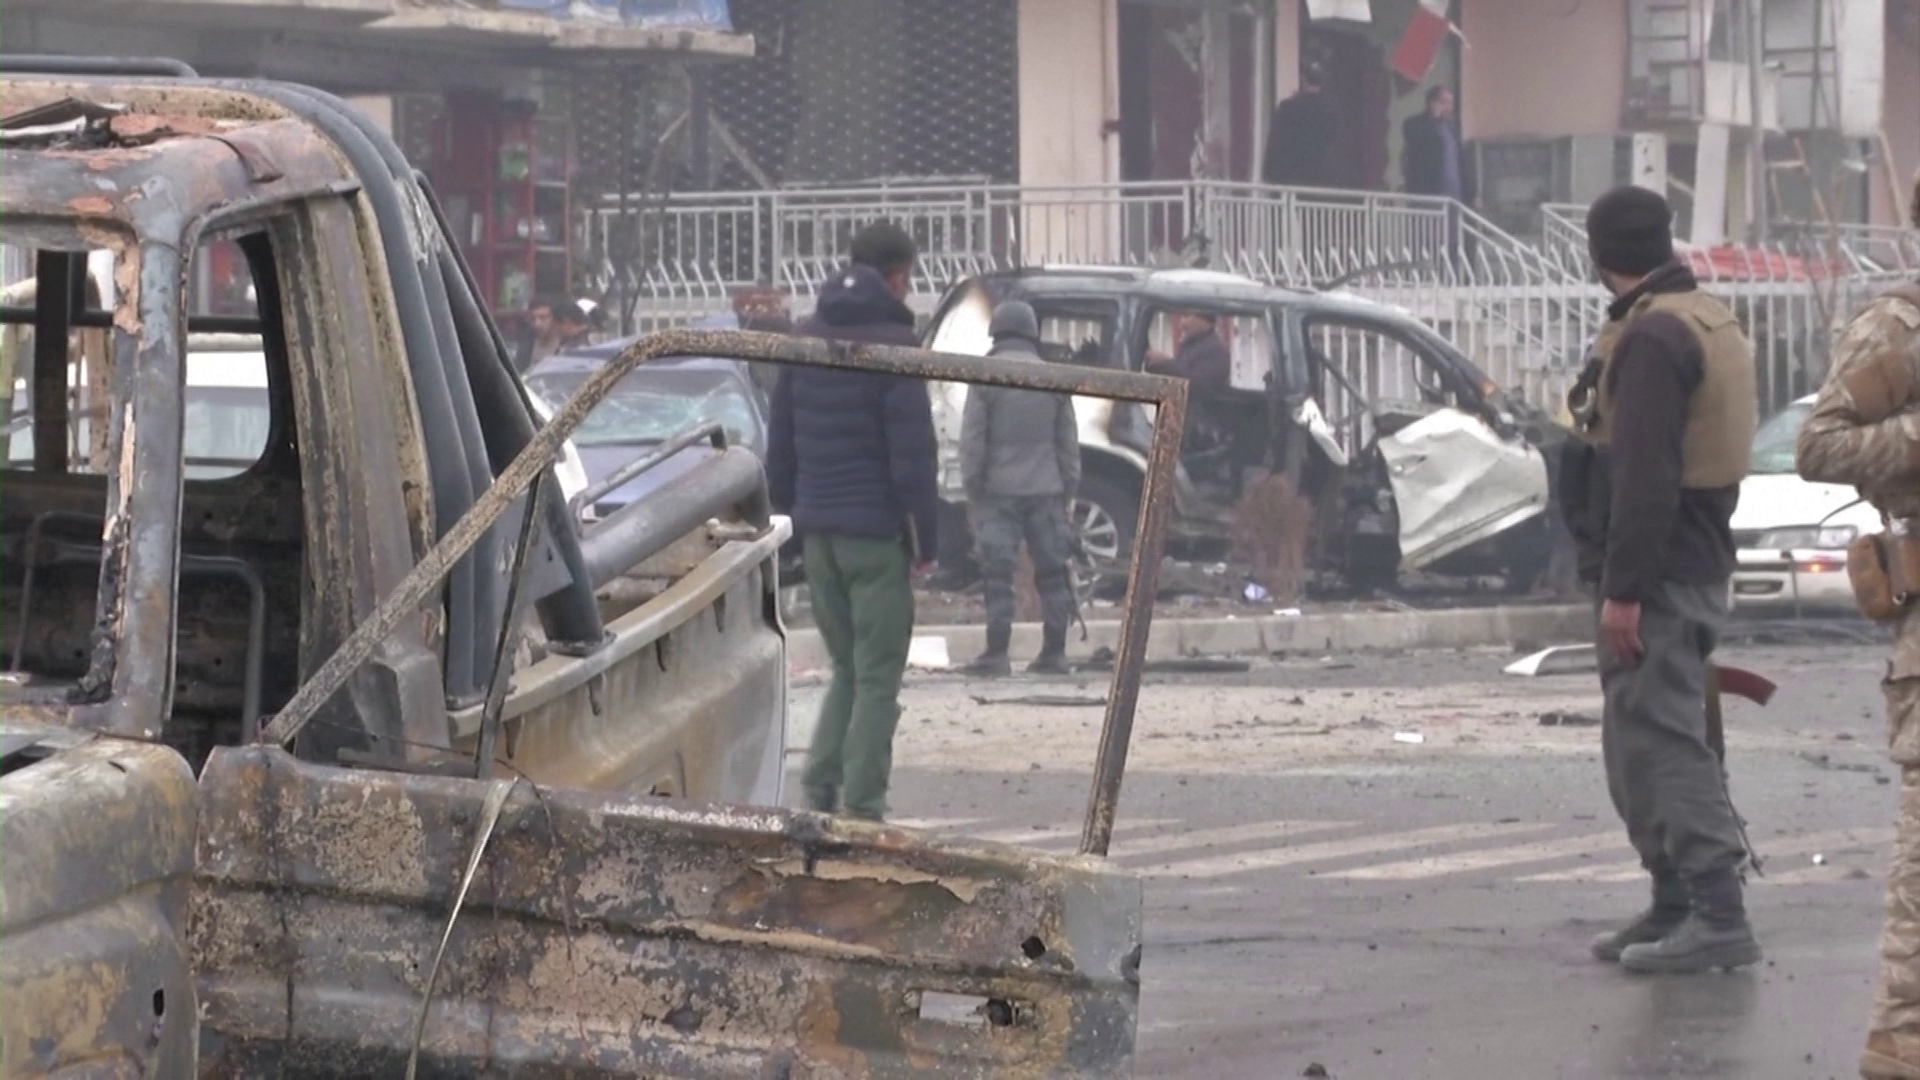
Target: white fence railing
(1525, 312)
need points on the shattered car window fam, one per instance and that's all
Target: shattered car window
(1083, 339)
(1362, 370)
(1247, 337)
(652, 406)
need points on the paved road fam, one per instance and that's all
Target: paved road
(1320, 893)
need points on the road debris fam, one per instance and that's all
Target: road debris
(929, 654)
(1823, 761)
(1102, 660)
(1556, 660)
(1412, 737)
(1048, 701)
(1560, 718)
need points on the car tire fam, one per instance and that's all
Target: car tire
(1104, 515)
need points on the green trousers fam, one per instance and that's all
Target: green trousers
(862, 593)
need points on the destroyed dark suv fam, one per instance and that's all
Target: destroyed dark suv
(1410, 458)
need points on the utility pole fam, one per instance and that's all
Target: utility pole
(1757, 133)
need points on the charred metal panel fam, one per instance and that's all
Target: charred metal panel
(607, 937)
(704, 730)
(95, 977)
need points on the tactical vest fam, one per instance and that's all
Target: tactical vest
(1723, 412)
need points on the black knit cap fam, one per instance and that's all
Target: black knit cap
(1630, 231)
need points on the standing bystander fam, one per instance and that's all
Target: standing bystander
(1665, 412)
(852, 458)
(1434, 162)
(1301, 136)
(1020, 463)
(537, 338)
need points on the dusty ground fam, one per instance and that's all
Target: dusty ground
(934, 607)
(1319, 894)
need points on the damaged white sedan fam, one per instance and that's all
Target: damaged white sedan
(1402, 454)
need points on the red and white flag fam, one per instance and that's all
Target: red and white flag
(1420, 46)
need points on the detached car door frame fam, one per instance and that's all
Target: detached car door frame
(1457, 479)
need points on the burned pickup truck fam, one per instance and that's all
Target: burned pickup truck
(369, 758)
(1411, 459)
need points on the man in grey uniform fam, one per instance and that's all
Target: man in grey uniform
(1665, 414)
(1020, 462)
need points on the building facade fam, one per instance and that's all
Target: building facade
(480, 92)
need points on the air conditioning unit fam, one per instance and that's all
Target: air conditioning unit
(1518, 175)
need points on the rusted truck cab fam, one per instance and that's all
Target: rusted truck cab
(482, 790)
(150, 596)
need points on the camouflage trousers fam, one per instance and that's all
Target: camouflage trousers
(1893, 1042)
(1000, 524)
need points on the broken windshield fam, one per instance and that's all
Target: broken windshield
(653, 405)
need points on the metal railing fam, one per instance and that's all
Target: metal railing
(1792, 294)
(1525, 312)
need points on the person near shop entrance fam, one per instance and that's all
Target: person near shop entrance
(851, 457)
(1665, 412)
(575, 323)
(1863, 432)
(1020, 464)
(1430, 147)
(1301, 136)
(538, 340)
(1436, 165)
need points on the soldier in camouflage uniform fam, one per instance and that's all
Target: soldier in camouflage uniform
(1865, 431)
(1020, 462)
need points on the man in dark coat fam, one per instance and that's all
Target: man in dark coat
(1435, 162)
(852, 458)
(1203, 359)
(1301, 136)
(1432, 157)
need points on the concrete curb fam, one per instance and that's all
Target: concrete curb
(1318, 633)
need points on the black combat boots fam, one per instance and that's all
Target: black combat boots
(1715, 934)
(1668, 911)
(994, 663)
(1053, 653)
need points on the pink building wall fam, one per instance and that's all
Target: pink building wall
(1532, 68)
(1901, 120)
(1068, 91)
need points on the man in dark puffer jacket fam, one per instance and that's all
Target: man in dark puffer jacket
(852, 458)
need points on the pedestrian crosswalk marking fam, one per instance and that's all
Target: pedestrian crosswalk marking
(1485, 859)
(1029, 836)
(1804, 844)
(1167, 848)
(1059, 835)
(937, 824)
(1326, 851)
(1221, 837)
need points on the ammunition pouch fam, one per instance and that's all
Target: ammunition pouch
(1882, 569)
